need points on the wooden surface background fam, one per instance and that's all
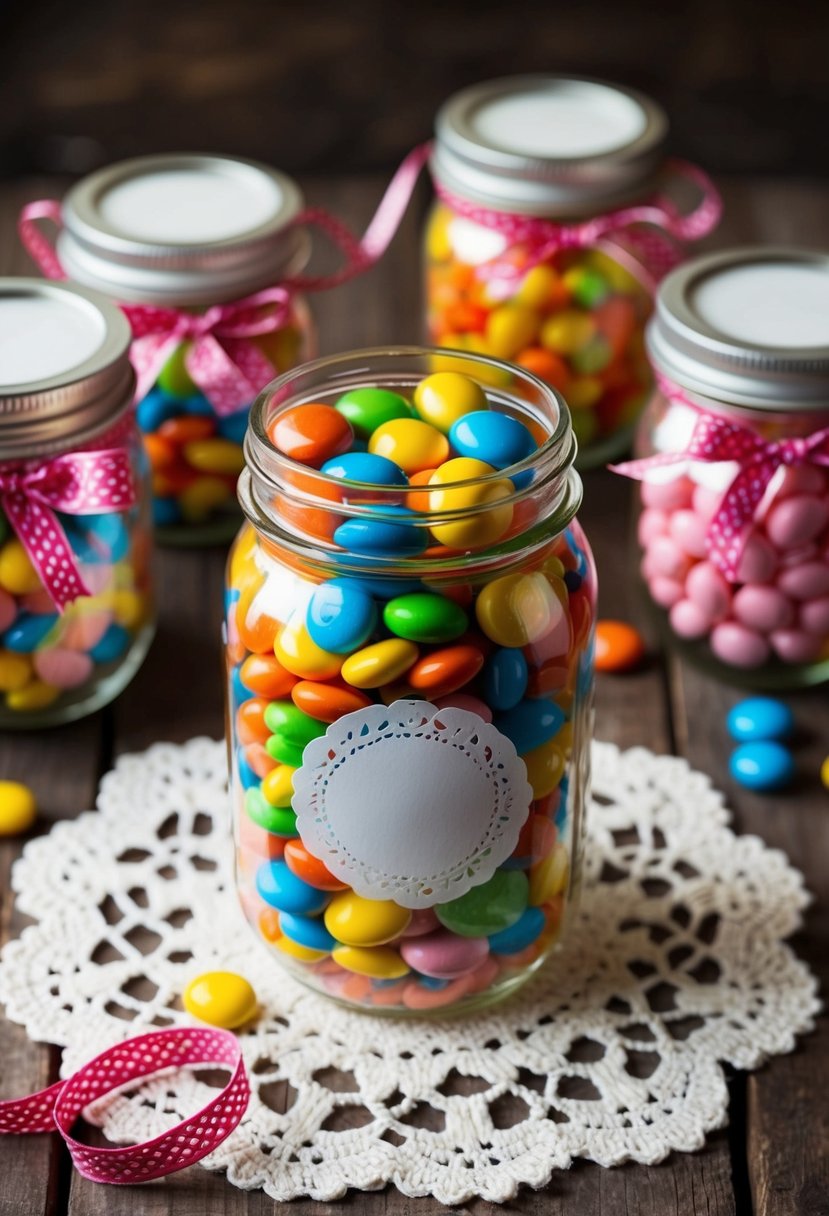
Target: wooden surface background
(773, 1159)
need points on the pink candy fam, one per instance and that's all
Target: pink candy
(63, 668)
(741, 647)
(762, 608)
(444, 955)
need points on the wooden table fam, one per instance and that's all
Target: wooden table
(773, 1160)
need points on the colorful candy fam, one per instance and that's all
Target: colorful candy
(759, 719)
(221, 998)
(619, 647)
(18, 808)
(762, 766)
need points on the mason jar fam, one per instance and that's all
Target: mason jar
(195, 249)
(549, 234)
(409, 639)
(76, 604)
(734, 525)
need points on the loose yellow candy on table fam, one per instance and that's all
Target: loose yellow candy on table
(824, 772)
(221, 998)
(17, 808)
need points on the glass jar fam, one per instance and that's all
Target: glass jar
(76, 606)
(734, 526)
(409, 722)
(171, 238)
(521, 261)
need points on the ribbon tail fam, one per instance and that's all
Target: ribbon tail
(229, 372)
(148, 355)
(38, 247)
(42, 536)
(34, 1113)
(729, 529)
(638, 470)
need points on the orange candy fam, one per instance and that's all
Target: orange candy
(327, 702)
(160, 452)
(417, 500)
(445, 671)
(257, 842)
(269, 924)
(257, 634)
(310, 869)
(250, 721)
(264, 675)
(619, 647)
(311, 433)
(259, 760)
(187, 429)
(546, 365)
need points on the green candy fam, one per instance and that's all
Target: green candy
(368, 408)
(174, 379)
(590, 288)
(421, 617)
(495, 905)
(292, 731)
(593, 357)
(278, 820)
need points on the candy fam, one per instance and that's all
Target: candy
(341, 617)
(444, 955)
(762, 766)
(365, 467)
(309, 868)
(380, 663)
(264, 675)
(63, 668)
(444, 671)
(480, 526)
(218, 456)
(530, 724)
(220, 998)
(412, 444)
(369, 408)
(355, 921)
(496, 439)
(327, 702)
(824, 772)
(28, 632)
(739, 646)
(549, 876)
(378, 962)
(303, 954)
(279, 820)
(505, 678)
(527, 929)
(18, 808)
(423, 617)
(278, 785)
(386, 533)
(445, 397)
(282, 889)
(306, 931)
(760, 719)
(299, 654)
(17, 574)
(518, 609)
(311, 433)
(291, 732)
(494, 905)
(619, 647)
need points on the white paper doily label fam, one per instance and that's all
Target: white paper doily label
(411, 803)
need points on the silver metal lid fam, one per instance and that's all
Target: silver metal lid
(548, 145)
(747, 327)
(182, 229)
(65, 372)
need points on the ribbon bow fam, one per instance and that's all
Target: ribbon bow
(76, 483)
(716, 439)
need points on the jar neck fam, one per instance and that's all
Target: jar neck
(798, 420)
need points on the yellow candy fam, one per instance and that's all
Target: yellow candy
(499, 377)
(378, 664)
(824, 772)
(567, 331)
(303, 954)
(378, 962)
(282, 347)
(15, 671)
(215, 456)
(221, 998)
(355, 921)
(549, 876)
(278, 785)
(298, 653)
(444, 397)
(36, 695)
(17, 808)
(517, 609)
(412, 445)
(202, 497)
(537, 286)
(128, 607)
(509, 329)
(17, 574)
(243, 567)
(480, 527)
(438, 244)
(583, 392)
(545, 768)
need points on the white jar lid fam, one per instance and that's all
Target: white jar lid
(548, 145)
(181, 229)
(748, 327)
(65, 372)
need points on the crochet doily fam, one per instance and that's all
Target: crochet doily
(614, 1052)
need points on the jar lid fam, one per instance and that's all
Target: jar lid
(748, 327)
(544, 145)
(65, 372)
(181, 229)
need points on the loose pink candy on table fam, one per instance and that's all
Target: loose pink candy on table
(709, 590)
(805, 581)
(63, 668)
(796, 520)
(796, 646)
(814, 616)
(763, 607)
(741, 647)
(444, 955)
(689, 621)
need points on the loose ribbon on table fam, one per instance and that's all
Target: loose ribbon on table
(76, 483)
(648, 229)
(717, 439)
(58, 1107)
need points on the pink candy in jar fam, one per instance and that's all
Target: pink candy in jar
(734, 525)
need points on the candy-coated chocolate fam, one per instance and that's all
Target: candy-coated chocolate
(295, 950)
(298, 653)
(518, 609)
(530, 724)
(488, 908)
(526, 930)
(278, 785)
(327, 702)
(15, 671)
(424, 617)
(445, 397)
(282, 889)
(759, 719)
(279, 820)
(356, 921)
(28, 632)
(386, 532)
(292, 731)
(444, 954)
(619, 647)
(545, 767)
(549, 876)
(341, 616)
(480, 508)
(221, 998)
(311, 433)
(423, 921)
(36, 695)
(265, 676)
(17, 574)
(380, 663)
(420, 998)
(365, 467)
(309, 868)
(306, 931)
(218, 456)
(369, 408)
(763, 766)
(410, 443)
(462, 700)
(496, 439)
(505, 678)
(377, 962)
(18, 808)
(444, 671)
(63, 668)
(824, 772)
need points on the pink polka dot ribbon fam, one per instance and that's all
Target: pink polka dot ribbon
(652, 232)
(76, 483)
(717, 439)
(129, 1063)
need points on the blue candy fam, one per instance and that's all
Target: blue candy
(381, 537)
(154, 410)
(341, 617)
(108, 536)
(762, 766)
(431, 982)
(530, 724)
(505, 678)
(238, 691)
(247, 776)
(760, 718)
(495, 438)
(517, 937)
(280, 888)
(166, 512)
(197, 406)
(233, 426)
(306, 931)
(111, 646)
(366, 467)
(28, 631)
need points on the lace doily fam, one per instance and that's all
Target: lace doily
(676, 964)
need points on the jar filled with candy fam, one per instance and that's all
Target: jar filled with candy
(734, 473)
(410, 614)
(196, 250)
(548, 237)
(76, 611)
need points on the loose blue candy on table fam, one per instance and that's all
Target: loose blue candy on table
(762, 766)
(341, 616)
(760, 718)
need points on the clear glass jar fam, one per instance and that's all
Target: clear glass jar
(739, 342)
(73, 473)
(565, 151)
(408, 807)
(189, 233)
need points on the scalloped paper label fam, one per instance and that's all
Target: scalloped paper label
(410, 802)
